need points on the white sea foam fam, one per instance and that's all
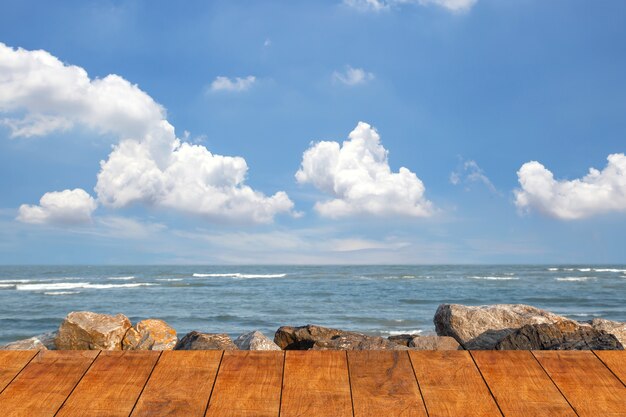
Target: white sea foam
(574, 279)
(553, 269)
(399, 332)
(17, 281)
(169, 279)
(584, 269)
(7, 285)
(609, 270)
(61, 292)
(75, 285)
(239, 275)
(121, 278)
(493, 278)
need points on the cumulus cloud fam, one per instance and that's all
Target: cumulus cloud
(470, 172)
(358, 177)
(379, 5)
(353, 76)
(596, 193)
(222, 83)
(150, 164)
(59, 207)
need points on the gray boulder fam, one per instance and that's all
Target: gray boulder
(356, 342)
(85, 330)
(255, 341)
(41, 342)
(205, 341)
(482, 327)
(564, 335)
(403, 339)
(304, 337)
(434, 343)
(615, 328)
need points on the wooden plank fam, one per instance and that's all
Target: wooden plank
(112, 385)
(248, 384)
(43, 385)
(451, 384)
(315, 383)
(180, 384)
(11, 363)
(615, 360)
(383, 384)
(520, 386)
(584, 380)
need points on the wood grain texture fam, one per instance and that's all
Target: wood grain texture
(11, 363)
(43, 385)
(615, 360)
(586, 382)
(111, 386)
(451, 384)
(248, 384)
(315, 383)
(383, 384)
(520, 386)
(180, 384)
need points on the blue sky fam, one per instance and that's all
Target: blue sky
(463, 94)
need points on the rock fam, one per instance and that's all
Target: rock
(255, 341)
(303, 338)
(356, 342)
(481, 327)
(434, 343)
(42, 342)
(92, 331)
(151, 334)
(564, 335)
(403, 339)
(615, 328)
(205, 341)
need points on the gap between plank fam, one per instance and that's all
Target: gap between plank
(77, 382)
(486, 384)
(17, 374)
(609, 368)
(419, 388)
(557, 387)
(282, 383)
(146, 383)
(350, 382)
(217, 373)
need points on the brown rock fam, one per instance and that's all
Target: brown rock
(205, 341)
(92, 331)
(151, 334)
(303, 338)
(481, 327)
(434, 343)
(42, 342)
(615, 328)
(356, 342)
(403, 339)
(255, 341)
(564, 335)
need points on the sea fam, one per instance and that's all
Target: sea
(378, 300)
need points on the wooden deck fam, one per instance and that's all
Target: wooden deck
(313, 384)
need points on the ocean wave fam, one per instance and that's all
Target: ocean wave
(122, 278)
(609, 270)
(584, 315)
(169, 279)
(493, 278)
(17, 281)
(573, 279)
(584, 269)
(399, 332)
(553, 269)
(239, 275)
(7, 285)
(76, 285)
(61, 292)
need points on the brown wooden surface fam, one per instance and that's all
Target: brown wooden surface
(616, 361)
(313, 383)
(316, 384)
(44, 384)
(383, 384)
(112, 385)
(248, 384)
(586, 382)
(11, 363)
(520, 386)
(451, 384)
(180, 384)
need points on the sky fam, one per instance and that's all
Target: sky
(312, 132)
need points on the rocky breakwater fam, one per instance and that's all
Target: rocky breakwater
(519, 326)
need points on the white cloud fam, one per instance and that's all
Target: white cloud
(469, 172)
(596, 193)
(353, 76)
(235, 84)
(358, 177)
(59, 207)
(379, 5)
(149, 164)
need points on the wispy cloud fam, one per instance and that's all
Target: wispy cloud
(353, 76)
(469, 172)
(236, 84)
(381, 5)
